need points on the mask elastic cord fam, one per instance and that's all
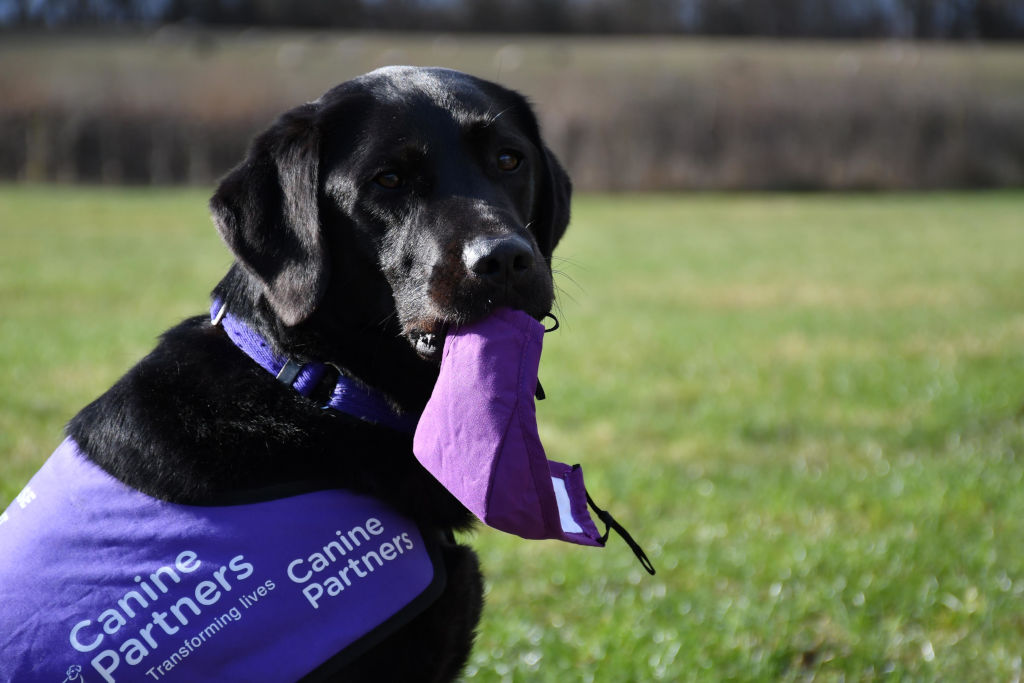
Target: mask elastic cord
(610, 524)
(552, 329)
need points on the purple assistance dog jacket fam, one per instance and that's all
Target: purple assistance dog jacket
(276, 589)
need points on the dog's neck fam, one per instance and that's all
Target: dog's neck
(347, 396)
(350, 334)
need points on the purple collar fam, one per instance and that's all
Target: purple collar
(347, 396)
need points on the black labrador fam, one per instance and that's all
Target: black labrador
(363, 224)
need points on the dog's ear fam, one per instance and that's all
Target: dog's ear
(266, 210)
(555, 197)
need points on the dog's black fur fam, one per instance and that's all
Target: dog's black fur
(363, 224)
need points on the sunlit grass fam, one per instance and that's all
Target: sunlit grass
(808, 409)
(88, 280)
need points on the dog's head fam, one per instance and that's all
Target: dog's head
(397, 204)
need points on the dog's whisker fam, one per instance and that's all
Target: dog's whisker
(562, 294)
(490, 120)
(565, 277)
(570, 260)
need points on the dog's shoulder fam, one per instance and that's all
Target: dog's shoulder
(181, 414)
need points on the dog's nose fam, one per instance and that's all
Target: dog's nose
(499, 259)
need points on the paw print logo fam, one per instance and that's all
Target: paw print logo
(74, 674)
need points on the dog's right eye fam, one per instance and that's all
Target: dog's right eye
(509, 160)
(388, 179)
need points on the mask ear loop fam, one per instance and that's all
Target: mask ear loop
(539, 393)
(551, 329)
(610, 524)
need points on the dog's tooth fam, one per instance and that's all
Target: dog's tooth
(425, 343)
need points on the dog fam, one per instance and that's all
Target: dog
(363, 226)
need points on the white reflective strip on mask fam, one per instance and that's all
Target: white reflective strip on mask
(569, 524)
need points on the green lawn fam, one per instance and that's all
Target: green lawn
(808, 409)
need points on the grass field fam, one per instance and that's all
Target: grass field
(807, 408)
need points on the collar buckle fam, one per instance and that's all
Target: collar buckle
(289, 372)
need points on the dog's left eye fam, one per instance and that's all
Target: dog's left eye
(509, 160)
(388, 179)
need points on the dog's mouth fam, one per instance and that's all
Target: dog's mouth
(428, 344)
(427, 339)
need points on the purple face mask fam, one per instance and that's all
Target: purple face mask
(478, 437)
